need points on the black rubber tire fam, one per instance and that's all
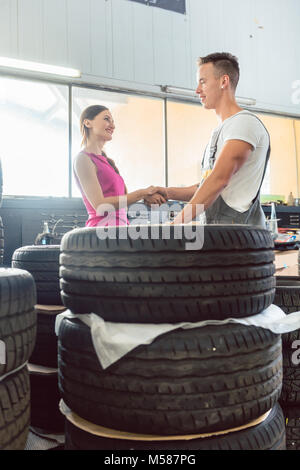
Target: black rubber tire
(45, 350)
(185, 382)
(268, 435)
(1, 242)
(292, 422)
(14, 410)
(42, 261)
(287, 297)
(290, 394)
(166, 290)
(17, 317)
(158, 280)
(45, 397)
(1, 182)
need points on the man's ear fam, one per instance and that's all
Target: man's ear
(225, 81)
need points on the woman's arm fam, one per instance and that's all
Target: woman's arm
(87, 174)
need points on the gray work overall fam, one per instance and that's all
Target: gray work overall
(219, 212)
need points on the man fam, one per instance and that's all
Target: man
(236, 156)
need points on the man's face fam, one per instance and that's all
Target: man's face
(209, 87)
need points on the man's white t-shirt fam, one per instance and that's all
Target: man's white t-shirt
(244, 185)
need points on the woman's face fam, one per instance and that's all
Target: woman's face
(102, 126)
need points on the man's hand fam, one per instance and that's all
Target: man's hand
(160, 196)
(163, 191)
(156, 198)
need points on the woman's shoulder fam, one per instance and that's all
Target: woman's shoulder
(81, 155)
(82, 160)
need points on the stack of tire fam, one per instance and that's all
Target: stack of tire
(1, 223)
(288, 299)
(42, 262)
(187, 383)
(17, 340)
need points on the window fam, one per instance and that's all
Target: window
(282, 177)
(35, 147)
(189, 130)
(137, 146)
(34, 138)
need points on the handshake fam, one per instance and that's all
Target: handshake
(155, 195)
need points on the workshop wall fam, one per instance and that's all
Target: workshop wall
(125, 43)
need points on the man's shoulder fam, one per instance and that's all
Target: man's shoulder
(246, 117)
(245, 121)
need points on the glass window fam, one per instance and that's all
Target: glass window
(282, 177)
(189, 130)
(137, 146)
(34, 138)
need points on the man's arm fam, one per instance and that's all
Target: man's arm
(232, 157)
(175, 194)
(182, 194)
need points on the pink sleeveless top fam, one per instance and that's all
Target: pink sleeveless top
(112, 184)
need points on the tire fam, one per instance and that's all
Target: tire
(42, 261)
(1, 242)
(187, 381)
(292, 419)
(159, 281)
(287, 297)
(291, 379)
(268, 435)
(1, 183)
(45, 350)
(14, 410)
(45, 397)
(17, 317)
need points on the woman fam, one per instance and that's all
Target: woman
(97, 176)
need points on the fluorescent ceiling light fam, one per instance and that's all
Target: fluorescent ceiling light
(245, 101)
(179, 91)
(37, 67)
(192, 94)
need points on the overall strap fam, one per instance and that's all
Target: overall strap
(212, 149)
(267, 156)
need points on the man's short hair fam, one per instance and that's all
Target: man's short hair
(225, 64)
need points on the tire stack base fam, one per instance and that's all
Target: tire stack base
(83, 435)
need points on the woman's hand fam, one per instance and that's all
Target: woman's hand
(156, 189)
(155, 195)
(156, 198)
(150, 191)
(163, 192)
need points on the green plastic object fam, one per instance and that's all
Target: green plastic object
(271, 198)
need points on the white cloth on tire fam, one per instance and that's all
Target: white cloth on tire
(113, 340)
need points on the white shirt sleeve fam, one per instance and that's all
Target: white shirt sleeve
(243, 127)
